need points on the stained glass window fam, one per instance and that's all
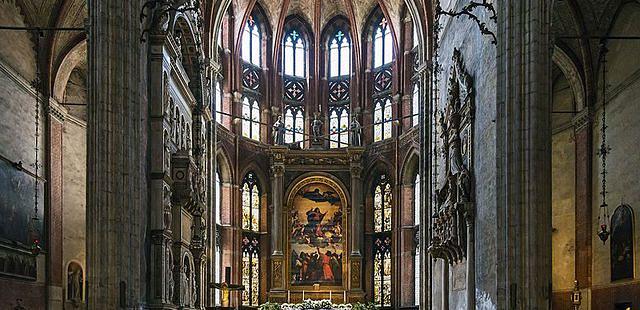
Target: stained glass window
(382, 270)
(251, 119)
(250, 239)
(251, 45)
(250, 269)
(382, 216)
(250, 203)
(382, 44)
(294, 58)
(339, 55)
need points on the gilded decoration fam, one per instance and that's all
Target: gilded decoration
(316, 245)
(454, 198)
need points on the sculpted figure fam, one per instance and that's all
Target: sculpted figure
(356, 132)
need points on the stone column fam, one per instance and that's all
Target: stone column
(53, 214)
(278, 154)
(117, 203)
(357, 225)
(523, 151)
(583, 193)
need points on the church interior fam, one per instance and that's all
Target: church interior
(319, 154)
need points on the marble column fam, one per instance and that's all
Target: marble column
(278, 154)
(117, 197)
(356, 222)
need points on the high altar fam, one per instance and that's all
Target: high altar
(317, 237)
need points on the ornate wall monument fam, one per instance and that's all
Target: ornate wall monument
(453, 215)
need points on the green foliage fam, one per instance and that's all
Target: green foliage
(364, 306)
(269, 306)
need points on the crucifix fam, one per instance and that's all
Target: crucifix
(226, 288)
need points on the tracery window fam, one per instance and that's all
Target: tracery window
(382, 80)
(339, 66)
(294, 122)
(251, 42)
(294, 58)
(295, 86)
(339, 126)
(382, 219)
(382, 119)
(251, 119)
(250, 240)
(382, 44)
(339, 55)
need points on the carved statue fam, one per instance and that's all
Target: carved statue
(316, 126)
(169, 273)
(75, 281)
(278, 131)
(356, 132)
(184, 285)
(167, 208)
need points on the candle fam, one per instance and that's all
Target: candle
(288, 296)
(302, 295)
(329, 295)
(344, 297)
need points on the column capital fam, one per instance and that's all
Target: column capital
(56, 111)
(583, 119)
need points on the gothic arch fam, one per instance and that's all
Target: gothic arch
(410, 166)
(374, 170)
(572, 74)
(291, 190)
(69, 62)
(378, 12)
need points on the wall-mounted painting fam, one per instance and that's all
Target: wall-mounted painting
(316, 238)
(622, 243)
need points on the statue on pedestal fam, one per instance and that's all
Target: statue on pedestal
(316, 126)
(356, 132)
(278, 132)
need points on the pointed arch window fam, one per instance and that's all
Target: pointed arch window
(251, 42)
(339, 126)
(382, 226)
(250, 240)
(382, 119)
(294, 122)
(251, 119)
(339, 55)
(382, 44)
(294, 58)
